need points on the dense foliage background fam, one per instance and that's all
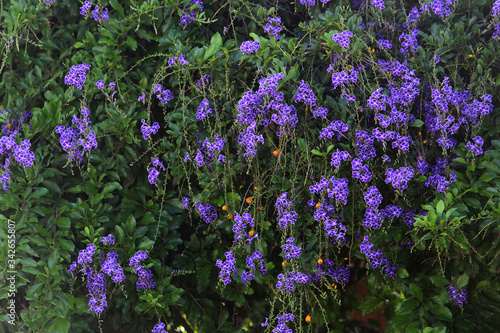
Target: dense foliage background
(317, 166)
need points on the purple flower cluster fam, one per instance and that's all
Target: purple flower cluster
(145, 279)
(438, 177)
(111, 90)
(319, 112)
(249, 47)
(77, 75)
(108, 240)
(458, 296)
(475, 148)
(247, 276)
(335, 126)
(208, 212)
(399, 178)
(227, 267)
(148, 130)
(79, 140)
(181, 60)
(285, 218)
(85, 7)
(10, 150)
(440, 7)
(249, 140)
(185, 202)
(203, 110)
(163, 95)
(305, 94)
(271, 29)
(153, 173)
(361, 171)
(343, 78)
(334, 229)
(339, 188)
(291, 250)
(111, 266)
(377, 258)
(339, 156)
(240, 225)
(209, 151)
(378, 4)
(342, 38)
(284, 318)
(286, 282)
(99, 14)
(190, 15)
(338, 275)
(384, 44)
(159, 328)
(409, 41)
(204, 82)
(308, 3)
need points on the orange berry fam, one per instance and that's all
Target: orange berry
(260, 208)
(230, 216)
(470, 56)
(283, 263)
(251, 233)
(425, 141)
(419, 133)
(224, 208)
(318, 205)
(276, 152)
(255, 188)
(308, 318)
(320, 261)
(248, 200)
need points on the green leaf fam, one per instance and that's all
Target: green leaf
(63, 222)
(130, 224)
(214, 47)
(440, 207)
(370, 304)
(39, 193)
(116, 5)
(463, 280)
(61, 325)
(408, 305)
(402, 273)
(318, 153)
(441, 312)
(416, 292)
(417, 123)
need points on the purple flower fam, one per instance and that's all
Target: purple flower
(227, 268)
(458, 296)
(308, 3)
(249, 47)
(77, 75)
(148, 130)
(342, 38)
(475, 148)
(290, 250)
(145, 277)
(185, 202)
(108, 239)
(85, 7)
(378, 4)
(383, 43)
(208, 212)
(203, 110)
(159, 328)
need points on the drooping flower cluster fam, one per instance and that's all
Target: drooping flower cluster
(438, 177)
(373, 199)
(100, 14)
(204, 82)
(77, 75)
(338, 275)
(247, 276)
(145, 280)
(227, 268)
(208, 212)
(335, 126)
(286, 282)
(249, 140)
(291, 250)
(378, 4)
(241, 222)
(399, 178)
(305, 94)
(163, 95)
(109, 92)
(475, 148)
(342, 38)
(185, 202)
(285, 217)
(441, 8)
(343, 78)
(10, 150)
(159, 328)
(77, 141)
(180, 59)
(339, 156)
(361, 171)
(189, 15)
(250, 47)
(153, 173)
(272, 29)
(148, 130)
(203, 110)
(376, 258)
(209, 151)
(458, 296)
